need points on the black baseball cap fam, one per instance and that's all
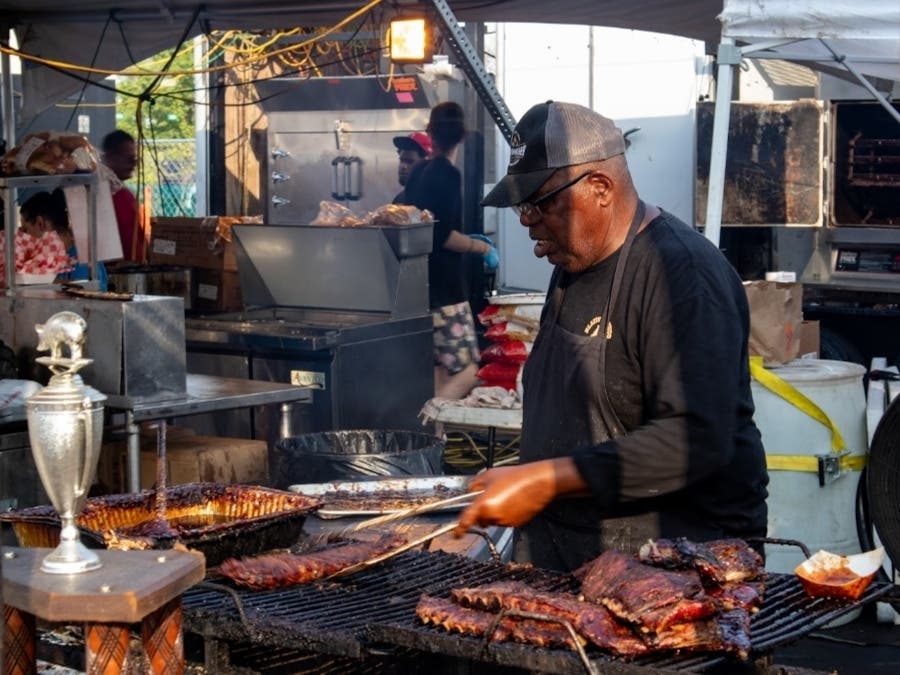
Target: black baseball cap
(551, 136)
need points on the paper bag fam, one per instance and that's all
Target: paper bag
(776, 313)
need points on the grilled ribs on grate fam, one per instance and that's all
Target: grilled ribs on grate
(719, 562)
(592, 622)
(283, 569)
(456, 619)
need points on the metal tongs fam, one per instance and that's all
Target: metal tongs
(325, 537)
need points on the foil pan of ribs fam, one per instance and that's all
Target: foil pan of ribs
(353, 498)
(221, 521)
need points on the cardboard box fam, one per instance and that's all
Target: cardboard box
(218, 291)
(189, 459)
(809, 340)
(204, 243)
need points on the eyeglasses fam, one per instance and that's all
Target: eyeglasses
(531, 211)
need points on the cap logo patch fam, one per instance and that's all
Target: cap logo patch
(517, 149)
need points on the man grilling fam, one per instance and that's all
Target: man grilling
(637, 414)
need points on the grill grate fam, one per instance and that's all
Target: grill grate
(377, 605)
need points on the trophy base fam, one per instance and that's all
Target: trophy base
(70, 559)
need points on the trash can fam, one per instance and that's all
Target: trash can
(354, 455)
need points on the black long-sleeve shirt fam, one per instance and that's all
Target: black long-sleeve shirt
(678, 379)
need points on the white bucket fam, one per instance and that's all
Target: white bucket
(822, 517)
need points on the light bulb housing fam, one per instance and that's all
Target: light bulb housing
(409, 41)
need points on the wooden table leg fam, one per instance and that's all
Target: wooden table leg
(19, 653)
(162, 638)
(106, 648)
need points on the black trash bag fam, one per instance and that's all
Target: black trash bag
(354, 455)
(8, 368)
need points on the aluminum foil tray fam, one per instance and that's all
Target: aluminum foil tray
(345, 499)
(219, 520)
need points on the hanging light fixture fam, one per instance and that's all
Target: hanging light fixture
(409, 40)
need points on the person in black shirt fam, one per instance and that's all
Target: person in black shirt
(436, 185)
(637, 411)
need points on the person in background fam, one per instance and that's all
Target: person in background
(39, 249)
(57, 213)
(411, 150)
(637, 411)
(120, 157)
(436, 184)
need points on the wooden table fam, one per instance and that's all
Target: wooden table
(132, 587)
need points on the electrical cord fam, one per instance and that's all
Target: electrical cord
(463, 452)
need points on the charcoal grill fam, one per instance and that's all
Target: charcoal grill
(376, 607)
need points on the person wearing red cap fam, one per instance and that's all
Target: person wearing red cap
(411, 150)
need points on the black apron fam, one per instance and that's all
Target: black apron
(566, 407)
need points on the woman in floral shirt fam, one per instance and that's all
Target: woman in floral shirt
(39, 249)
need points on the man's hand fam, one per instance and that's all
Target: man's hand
(512, 495)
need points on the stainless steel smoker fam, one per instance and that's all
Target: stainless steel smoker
(342, 309)
(332, 138)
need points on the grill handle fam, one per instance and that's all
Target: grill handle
(780, 542)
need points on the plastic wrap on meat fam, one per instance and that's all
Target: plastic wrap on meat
(591, 621)
(284, 569)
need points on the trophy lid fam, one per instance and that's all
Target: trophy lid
(63, 334)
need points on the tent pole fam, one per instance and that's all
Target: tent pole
(6, 94)
(842, 59)
(727, 58)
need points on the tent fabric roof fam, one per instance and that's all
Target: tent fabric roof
(865, 32)
(71, 32)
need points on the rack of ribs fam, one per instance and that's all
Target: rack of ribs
(721, 561)
(476, 622)
(273, 570)
(647, 597)
(726, 631)
(591, 621)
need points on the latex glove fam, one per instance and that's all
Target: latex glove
(483, 237)
(512, 496)
(492, 257)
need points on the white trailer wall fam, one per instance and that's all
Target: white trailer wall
(639, 79)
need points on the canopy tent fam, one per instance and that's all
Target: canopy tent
(862, 37)
(71, 32)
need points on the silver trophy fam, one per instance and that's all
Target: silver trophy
(65, 426)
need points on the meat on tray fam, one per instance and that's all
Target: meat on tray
(648, 597)
(476, 622)
(273, 570)
(591, 621)
(720, 561)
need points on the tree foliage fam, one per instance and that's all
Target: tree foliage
(168, 109)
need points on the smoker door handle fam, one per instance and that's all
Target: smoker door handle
(339, 178)
(354, 177)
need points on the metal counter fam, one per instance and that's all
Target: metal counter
(204, 393)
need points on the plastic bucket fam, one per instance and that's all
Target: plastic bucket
(822, 517)
(354, 455)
